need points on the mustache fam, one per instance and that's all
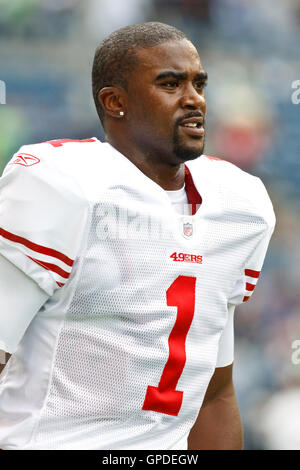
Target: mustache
(189, 115)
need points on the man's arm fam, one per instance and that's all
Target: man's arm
(20, 299)
(218, 426)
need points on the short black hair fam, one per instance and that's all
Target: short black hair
(116, 56)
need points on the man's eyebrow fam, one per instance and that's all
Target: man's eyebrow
(180, 75)
(201, 76)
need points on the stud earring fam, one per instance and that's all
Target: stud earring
(121, 113)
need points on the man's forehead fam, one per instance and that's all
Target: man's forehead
(172, 55)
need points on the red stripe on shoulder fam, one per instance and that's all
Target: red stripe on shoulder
(212, 158)
(60, 142)
(35, 247)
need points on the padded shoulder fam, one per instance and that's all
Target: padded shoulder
(236, 181)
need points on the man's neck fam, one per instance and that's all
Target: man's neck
(169, 177)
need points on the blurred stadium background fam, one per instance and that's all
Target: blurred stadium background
(250, 49)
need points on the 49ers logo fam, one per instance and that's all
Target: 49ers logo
(184, 257)
(24, 159)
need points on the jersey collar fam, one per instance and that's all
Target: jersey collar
(194, 198)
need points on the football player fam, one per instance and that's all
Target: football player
(122, 263)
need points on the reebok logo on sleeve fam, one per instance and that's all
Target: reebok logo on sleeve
(24, 159)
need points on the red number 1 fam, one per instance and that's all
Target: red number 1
(165, 398)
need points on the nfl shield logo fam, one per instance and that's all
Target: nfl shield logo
(187, 230)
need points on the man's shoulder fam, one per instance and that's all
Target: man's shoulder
(64, 165)
(223, 173)
(222, 170)
(75, 159)
(238, 184)
(58, 152)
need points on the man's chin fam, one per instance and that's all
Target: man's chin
(185, 153)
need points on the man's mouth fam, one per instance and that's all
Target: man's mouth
(193, 126)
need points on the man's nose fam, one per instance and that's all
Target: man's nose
(192, 98)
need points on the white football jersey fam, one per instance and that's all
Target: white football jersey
(121, 354)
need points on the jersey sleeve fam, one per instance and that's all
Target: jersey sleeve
(246, 283)
(42, 217)
(18, 306)
(226, 343)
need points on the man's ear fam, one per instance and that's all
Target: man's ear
(113, 101)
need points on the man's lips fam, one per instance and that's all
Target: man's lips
(191, 120)
(193, 126)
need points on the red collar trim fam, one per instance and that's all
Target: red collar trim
(193, 196)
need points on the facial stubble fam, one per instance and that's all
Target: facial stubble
(183, 152)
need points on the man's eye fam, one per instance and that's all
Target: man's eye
(172, 84)
(200, 84)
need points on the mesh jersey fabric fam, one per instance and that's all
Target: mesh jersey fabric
(225, 357)
(22, 307)
(121, 354)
